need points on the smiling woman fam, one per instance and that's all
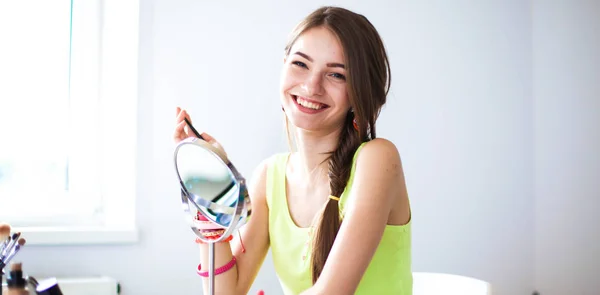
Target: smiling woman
(341, 191)
(314, 68)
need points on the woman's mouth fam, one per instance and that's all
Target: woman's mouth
(308, 106)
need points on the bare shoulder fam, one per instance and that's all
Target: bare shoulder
(380, 155)
(258, 180)
(379, 179)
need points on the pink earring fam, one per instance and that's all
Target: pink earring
(355, 124)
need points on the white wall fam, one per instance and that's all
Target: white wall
(566, 68)
(460, 111)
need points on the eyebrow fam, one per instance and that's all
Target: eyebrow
(331, 65)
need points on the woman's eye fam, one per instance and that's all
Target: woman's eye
(338, 76)
(300, 64)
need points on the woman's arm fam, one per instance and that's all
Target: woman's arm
(378, 185)
(255, 234)
(255, 239)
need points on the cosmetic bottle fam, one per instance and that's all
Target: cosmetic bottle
(15, 282)
(46, 287)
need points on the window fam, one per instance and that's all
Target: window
(68, 98)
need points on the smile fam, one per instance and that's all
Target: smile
(308, 106)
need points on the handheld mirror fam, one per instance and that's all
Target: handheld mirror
(210, 185)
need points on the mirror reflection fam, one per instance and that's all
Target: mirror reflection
(208, 182)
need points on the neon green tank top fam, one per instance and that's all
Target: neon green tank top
(388, 273)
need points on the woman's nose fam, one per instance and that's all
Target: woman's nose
(313, 85)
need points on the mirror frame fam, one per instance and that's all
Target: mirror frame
(242, 210)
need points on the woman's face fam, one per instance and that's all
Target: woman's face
(313, 82)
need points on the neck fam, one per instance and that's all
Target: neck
(314, 149)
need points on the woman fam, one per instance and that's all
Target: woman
(335, 212)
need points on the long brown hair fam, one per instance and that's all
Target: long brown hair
(368, 81)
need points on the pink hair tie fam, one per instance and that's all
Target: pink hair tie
(219, 270)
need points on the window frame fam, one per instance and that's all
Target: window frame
(104, 69)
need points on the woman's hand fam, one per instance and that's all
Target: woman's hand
(183, 131)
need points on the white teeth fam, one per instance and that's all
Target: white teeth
(308, 104)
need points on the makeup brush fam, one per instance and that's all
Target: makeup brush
(4, 230)
(4, 236)
(11, 244)
(7, 249)
(12, 253)
(193, 129)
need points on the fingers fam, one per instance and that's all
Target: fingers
(181, 129)
(213, 141)
(208, 138)
(180, 133)
(178, 113)
(181, 115)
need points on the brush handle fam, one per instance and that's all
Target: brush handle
(193, 129)
(12, 241)
(12, 254)
(4, 245)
